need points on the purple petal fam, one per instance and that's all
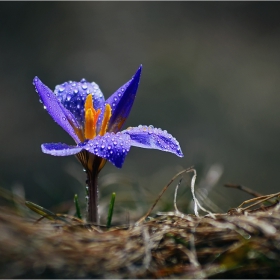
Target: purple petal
(121, 102)
(53, 107)
(113, 147)
(153, 138)
(60, 149)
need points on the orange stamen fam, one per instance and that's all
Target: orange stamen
(91, 117)
(88, 103)
(89, 124)
(96, 116)
(106, 118)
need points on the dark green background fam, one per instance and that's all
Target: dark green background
(210, 77)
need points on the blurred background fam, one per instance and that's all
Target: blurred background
(210, 78)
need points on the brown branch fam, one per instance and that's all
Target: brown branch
(244, 189)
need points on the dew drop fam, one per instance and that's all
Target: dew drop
(84, 86)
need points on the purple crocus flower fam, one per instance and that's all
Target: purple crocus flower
(81, 110)
(95, 123)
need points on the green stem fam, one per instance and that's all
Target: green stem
(78, 211)
(111, 210)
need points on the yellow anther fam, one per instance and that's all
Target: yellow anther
(96, 116)
(88, 103)
(89, 124)
(91, 117)
(106, 118)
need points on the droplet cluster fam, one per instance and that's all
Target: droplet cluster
(111, 146)
(122, 100)
(55, 109)
(60, 149)
(115, 98)
(153, 138)
(72, 96)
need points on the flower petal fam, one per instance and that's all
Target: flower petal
(121, 102)
(72, 96)
(153, 138)
(112, 147)
(60, 149)
(53, 107)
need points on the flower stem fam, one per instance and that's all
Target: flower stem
(93, 216)
(92, 179)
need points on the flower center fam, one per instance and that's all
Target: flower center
(91, 117)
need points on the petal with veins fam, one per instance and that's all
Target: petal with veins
(53, 107)
(121, 102)
(60, 149)
(112, 147)
(153, 138)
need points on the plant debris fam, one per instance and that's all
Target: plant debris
(242, 243)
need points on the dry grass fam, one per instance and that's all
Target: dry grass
(238, 244)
